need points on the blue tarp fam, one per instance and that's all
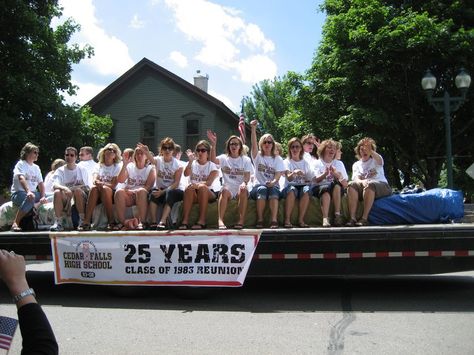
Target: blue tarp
(432, 206)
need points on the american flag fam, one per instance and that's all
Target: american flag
(7, 330)
(242, 126)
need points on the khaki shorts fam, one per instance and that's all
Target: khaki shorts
(381, 189)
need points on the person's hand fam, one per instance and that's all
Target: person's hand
(143, 147)
(242, 187)
(68, 192)
(190, 154)
(253, 124)
(269, 184)
(327, 172)
(13, 271)
(126, 158)
(43, 200)
(157, 193)
(30, 195)
(298, 172)
(212, 136)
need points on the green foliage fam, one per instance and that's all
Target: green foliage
(94, 129)
(36, 62)
(365, 80)
(274, 104)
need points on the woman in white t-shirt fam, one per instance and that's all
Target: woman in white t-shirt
(26, 179)
(168, 176)
(368, 181)
(297, 178)
(203, 185)
(330, 179)
(139, 177)
(48, 180)
(268, 169)
(236, 169)
(104, 183)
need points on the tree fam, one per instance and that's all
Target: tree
(365, 80)
(36, 65)
(274, 104)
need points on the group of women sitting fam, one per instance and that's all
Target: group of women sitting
(137, 177)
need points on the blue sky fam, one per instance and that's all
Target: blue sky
(236, 43)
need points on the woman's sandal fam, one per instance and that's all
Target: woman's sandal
(274, 225)
(288, 225)
(222, 227)
(84, 227)
(198, 226)
(160, 226)
(119, 227)
(303, 225)
(183, 226)
(259, 225)
(238, 226)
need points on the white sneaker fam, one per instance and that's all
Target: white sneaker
(56, 227)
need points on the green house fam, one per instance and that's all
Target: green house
(148, 103)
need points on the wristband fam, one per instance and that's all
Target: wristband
(23, 294)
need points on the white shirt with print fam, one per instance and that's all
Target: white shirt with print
(200, 173)
(165, 171)
(368, 170)
(298, 180)
(266, 167)
(31, 173)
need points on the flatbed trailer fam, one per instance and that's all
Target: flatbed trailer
(372, 250)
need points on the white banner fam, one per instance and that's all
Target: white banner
(176, 258)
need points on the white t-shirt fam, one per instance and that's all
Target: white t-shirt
(137, 177)
(320, 167)
(298, 180)
(70, 178)
(369, 170)
(266, 167)
(184, 179)
(309, 158)
(234, 169)
(165, 171)
(200, 173)
(48, 183)
(107, 173)
(31, 172)
(90, 166)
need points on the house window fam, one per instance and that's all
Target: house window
(148, 134)
(192, 133)
(148, 131)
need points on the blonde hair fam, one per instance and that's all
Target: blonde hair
(262, 139)
(101, 154)
(324, 144)
(362, 142)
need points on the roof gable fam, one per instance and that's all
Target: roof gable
(146, 63)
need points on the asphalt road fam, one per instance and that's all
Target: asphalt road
(389, 315)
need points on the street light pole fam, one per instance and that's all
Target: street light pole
(447, 104)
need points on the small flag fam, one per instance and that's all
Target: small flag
(242, 126)
(7, 330)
